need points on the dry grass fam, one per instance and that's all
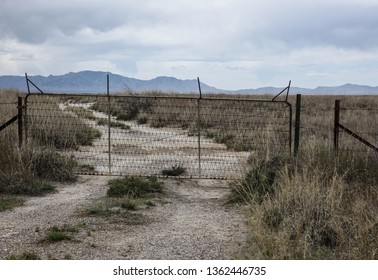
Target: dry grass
(240, 125)
(26, 171)
(316, 213)
(49, 125)
(324, 205)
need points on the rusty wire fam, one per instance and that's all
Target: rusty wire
(208, 138)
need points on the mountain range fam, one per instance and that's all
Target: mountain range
(95, 82)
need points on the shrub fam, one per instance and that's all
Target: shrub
(25, 256)
(56, 236)
(81, 112)
(176, 170)
(325, 208)
(258, 183)
(50, 165)
(28, 185)
(64, 232)
(129, 204)
(134, 187)
(9, 202)
(24, 171)
(113, 124)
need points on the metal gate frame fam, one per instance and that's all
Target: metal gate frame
(199, 100)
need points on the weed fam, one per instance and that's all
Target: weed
(142, 120)
(113, 124)
(50, 165)
(56, 236)
(64, 232)
(150, 203)
(69, 132)
(258, 183)
(316, 211)
(28, 186)
(67, 257)
(129, 205)
(24, 256)
(9, 202)
(98, 211)
(158, 123)
(134, 187)
(86, 168)
(175, 170)
(81, 112)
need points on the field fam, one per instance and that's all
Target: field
(321, 205)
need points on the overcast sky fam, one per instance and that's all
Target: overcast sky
(229, 44)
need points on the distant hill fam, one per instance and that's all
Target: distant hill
(347, 89)
(95, 82)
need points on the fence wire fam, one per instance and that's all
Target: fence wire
(7, 111)
(357, 113)
(363, 122)
(145, 135)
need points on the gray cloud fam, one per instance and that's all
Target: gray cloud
(343, 27)
(264, 40)
(35, 21)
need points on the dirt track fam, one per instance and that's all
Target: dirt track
(147, 150)
(189, 221)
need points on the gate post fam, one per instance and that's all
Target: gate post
(20, 125)
(297, 124)
(199, 126)
(109, 125)
(336, 126)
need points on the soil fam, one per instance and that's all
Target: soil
(190, 220)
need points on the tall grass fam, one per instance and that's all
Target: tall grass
(28, 170)
(324, 205)
(317, 213)
(50, 125)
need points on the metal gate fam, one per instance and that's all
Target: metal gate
(207, 137)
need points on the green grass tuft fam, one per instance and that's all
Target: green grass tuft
(9, 202)
(64, 232)
(176, 170)
(134, 187)
(24, 256)
(28, 186)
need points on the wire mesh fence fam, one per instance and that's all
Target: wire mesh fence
(149, 135)
(363, 122)
(358, 113)
(8, 110)
(212, 137)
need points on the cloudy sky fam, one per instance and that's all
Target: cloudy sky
(229, 44)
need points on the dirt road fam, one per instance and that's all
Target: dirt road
(189, 221)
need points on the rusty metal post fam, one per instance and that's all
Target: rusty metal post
(20, 124)
(199, 126)
(26, 107)
(297, 124)
(290, 126)
(109, 125)
(336, 126)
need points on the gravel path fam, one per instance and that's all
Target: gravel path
(189, 221)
